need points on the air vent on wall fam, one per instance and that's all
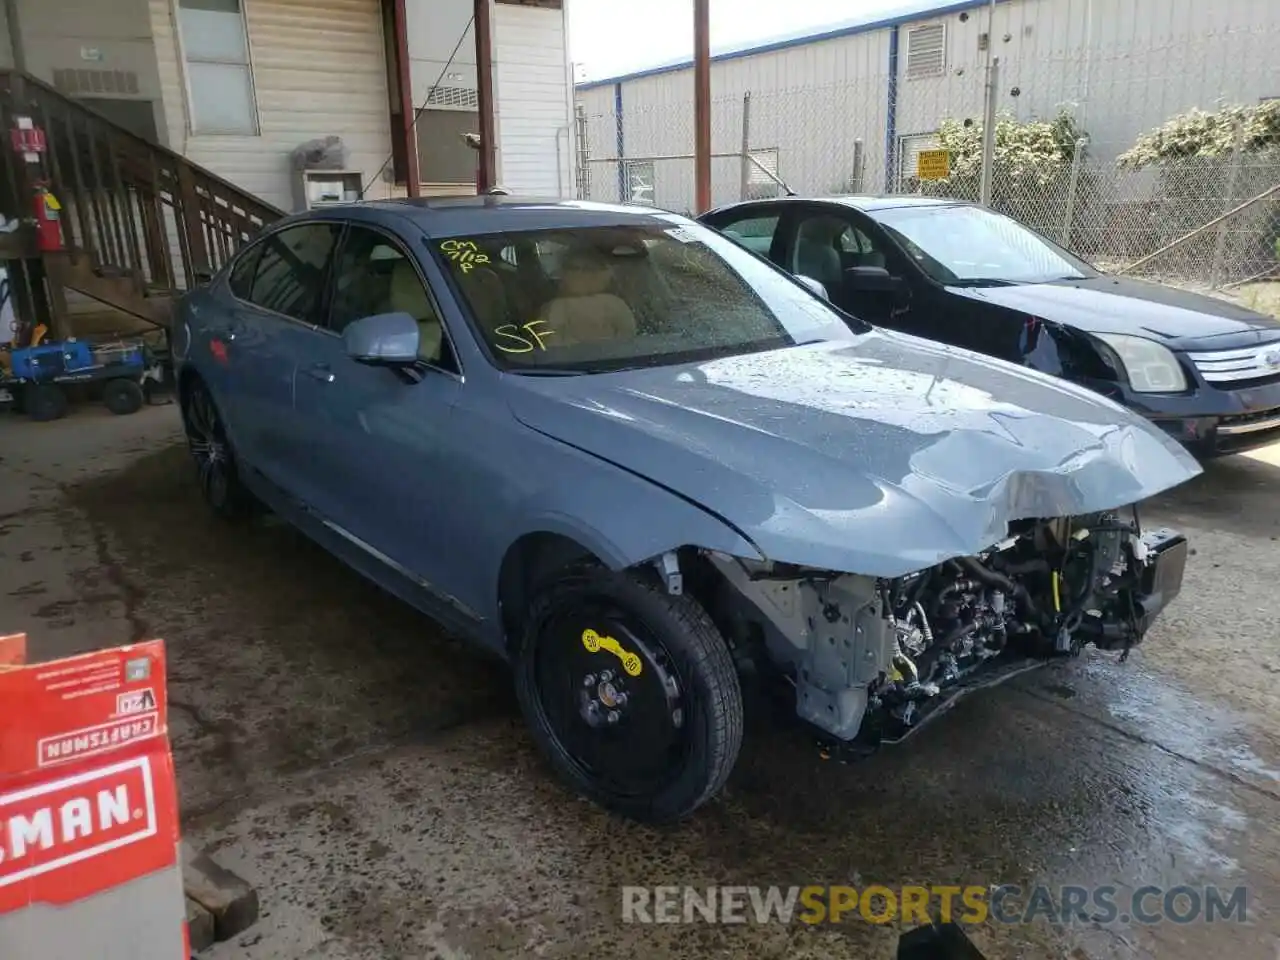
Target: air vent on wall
(926, 50)
(462, 98)
(79, 81)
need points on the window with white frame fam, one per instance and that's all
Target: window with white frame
(640, 182)
(219, 77)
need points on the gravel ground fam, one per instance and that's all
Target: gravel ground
(373, 778)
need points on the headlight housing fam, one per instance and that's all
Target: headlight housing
(1150, 367)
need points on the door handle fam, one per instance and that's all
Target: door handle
(321, 372)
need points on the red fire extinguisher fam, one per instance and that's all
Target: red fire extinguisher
(47, 212)
(28, 141)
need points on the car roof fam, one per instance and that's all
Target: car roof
(864, 203)
(460, 216)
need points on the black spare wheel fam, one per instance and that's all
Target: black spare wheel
(44, 401)
(215, 463)
(122, 397)
(631, 692)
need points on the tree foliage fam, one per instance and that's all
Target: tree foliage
(1030, 153)
(1199, 133)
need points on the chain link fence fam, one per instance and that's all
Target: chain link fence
(1203, 210)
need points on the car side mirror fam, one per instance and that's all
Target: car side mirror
(203, 275)
(815, 286)
(870, 279)
(387, 339)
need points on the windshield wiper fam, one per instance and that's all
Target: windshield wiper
(984, 282)
(547, 371)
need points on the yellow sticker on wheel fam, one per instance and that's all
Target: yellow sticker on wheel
(594, 643)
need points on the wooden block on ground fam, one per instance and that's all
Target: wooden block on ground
(199, 926)
(230, 900)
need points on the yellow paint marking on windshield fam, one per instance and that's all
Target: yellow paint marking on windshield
(594, 643)
(519, 343)
(464, 253)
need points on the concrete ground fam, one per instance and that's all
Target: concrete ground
(374, 779)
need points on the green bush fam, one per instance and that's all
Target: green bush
(1031, 168)
(1031, 154)
(1198, 133)
(1200, 177)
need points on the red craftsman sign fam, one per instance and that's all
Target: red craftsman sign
(88, 810)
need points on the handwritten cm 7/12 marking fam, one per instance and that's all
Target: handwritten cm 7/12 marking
(464, 253)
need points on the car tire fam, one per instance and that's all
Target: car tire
(122, 397)
(678, 729)
(216, 465)
(44, 401)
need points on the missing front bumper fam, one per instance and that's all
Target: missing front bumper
(1159, 585)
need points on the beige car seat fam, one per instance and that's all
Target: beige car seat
(583, 311)
(484, 291)
(407, 294)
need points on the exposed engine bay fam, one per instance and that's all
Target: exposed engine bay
(872, 659)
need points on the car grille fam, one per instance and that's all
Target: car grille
(1234, 366)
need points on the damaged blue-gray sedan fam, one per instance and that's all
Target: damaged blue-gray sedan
(641, 463)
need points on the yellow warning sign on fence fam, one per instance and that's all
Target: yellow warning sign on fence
(933, 164)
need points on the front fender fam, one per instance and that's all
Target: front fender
(624, 518)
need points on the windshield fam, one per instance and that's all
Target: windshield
(642, 294)
(961, 244)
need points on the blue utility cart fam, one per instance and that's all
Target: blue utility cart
(38, 379)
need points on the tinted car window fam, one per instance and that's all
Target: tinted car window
(959, 244)
(291, 271)
(241, 278)
(373, 275)
(630, 295)
(754, 233)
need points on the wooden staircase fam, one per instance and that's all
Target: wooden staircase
(140, 223)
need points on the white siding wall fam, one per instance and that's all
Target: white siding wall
(532, 99)
(810, 102)
(1122, 67)
(600, 146)
(434, 28)
(318, 69)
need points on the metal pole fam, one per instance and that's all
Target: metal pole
(745, 187)
(1233, 177)
(1073, 182)
(990, 93)
(15, 36)
(487, 174)
(702, 104)
(989, 133)
(584, 153)
(407, 118)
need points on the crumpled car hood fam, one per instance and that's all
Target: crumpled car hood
(881, 455)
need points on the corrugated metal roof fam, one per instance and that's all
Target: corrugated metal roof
(917, 11)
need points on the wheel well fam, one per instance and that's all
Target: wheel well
(528, 561)
(536, 556)
(186, 377)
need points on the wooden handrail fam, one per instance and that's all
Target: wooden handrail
(144, 147)
(134, 208)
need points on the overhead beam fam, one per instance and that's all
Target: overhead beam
(487, 175)
(702, 103)
(17, 44)
(404, 115)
